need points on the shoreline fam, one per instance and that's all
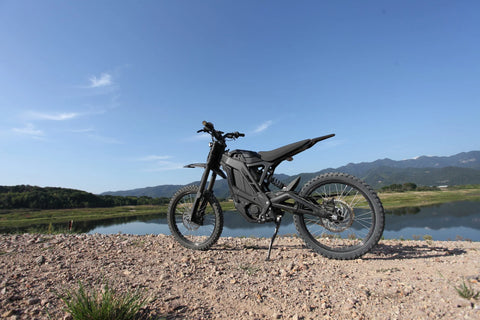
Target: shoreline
(397, 280)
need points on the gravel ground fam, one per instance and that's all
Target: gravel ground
(397, 280)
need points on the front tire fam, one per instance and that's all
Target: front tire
(189, 234)
(359, 221)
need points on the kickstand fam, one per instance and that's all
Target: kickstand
(277, 226)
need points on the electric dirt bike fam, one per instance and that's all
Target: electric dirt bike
(336, 214)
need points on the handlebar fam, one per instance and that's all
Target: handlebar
(209, 128)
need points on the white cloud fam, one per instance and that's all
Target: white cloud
(159, 163)
(53, 116)
(103, 139)
(86, 130)
(154, 158)
(197, 137)
(29, 130)
(104, 80)
(264, 126)
(164, 166)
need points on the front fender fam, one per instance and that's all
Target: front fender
(204, 165)
(196, 165)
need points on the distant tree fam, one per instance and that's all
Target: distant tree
(409, 186)
(24, 196)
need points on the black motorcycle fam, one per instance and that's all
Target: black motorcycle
(336, 214)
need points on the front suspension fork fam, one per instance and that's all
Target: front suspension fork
(201, 199)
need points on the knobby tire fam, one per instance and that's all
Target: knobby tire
(188, 234)
(361, 217)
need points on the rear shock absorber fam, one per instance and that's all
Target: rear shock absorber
(277, 183)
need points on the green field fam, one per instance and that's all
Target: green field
(426, 198)
(27, 217)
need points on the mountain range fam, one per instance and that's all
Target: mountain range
(462, 168)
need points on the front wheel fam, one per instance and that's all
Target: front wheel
(203, 233)
(356, 223)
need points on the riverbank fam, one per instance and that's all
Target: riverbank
(398, 280)
(23, 218)
(394, 200)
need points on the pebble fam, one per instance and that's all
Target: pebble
(40, 260)
(33, 301)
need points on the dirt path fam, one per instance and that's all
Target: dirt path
(398, 280)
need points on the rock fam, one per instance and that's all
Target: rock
(33, 301)
(40, 260)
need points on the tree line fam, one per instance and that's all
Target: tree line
(33, 197)
(408, 186)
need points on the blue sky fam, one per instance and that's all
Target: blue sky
(108, 95)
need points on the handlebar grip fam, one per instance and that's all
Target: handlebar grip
(207, 125)
(241, 134)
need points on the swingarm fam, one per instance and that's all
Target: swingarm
(303, 206)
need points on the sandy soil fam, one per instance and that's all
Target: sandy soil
(398, 280)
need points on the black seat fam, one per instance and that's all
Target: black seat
(290, 149)
(285, 151)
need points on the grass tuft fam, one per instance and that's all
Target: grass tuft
(106, 304)
(467, 292)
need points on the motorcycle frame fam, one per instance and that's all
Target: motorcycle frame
(263, 197)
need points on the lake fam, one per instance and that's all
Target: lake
(449, 221)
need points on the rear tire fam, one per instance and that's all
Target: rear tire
(360, 213)
(189, 234)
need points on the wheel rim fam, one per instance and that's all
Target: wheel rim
(355, 220)
(191, 232)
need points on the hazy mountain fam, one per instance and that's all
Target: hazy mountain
(166, 190)
(462, 168)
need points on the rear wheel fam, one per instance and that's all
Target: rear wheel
(203, 233)
(357, 219)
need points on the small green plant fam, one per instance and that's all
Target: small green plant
(427, 237)
(249, 269)
(104, 304)
(389, 270)
(467, 292)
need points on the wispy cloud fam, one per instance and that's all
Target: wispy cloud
(197, 137)
(103, 80)
(86, 130)
(29, 130)
(164, 166)
(103, 139)
(92, 134)
(159, 163)
(153, 158)
(264, 126)
(53, 116)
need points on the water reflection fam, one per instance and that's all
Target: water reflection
(447, 215)
(449, 221)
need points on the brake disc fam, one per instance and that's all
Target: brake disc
(189, 224)
(345, 216)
